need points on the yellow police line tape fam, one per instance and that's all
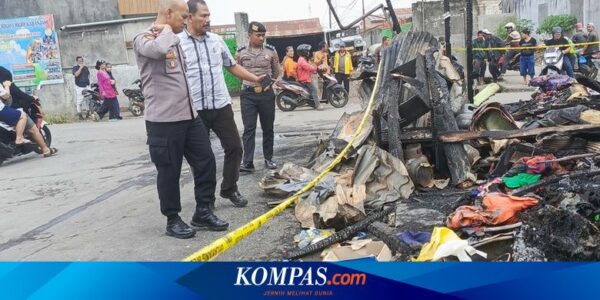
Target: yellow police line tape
(221, 245)
(524, 48)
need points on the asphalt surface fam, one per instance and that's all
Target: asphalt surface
(96, 200)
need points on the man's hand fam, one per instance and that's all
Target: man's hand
(260, 78)
(158, 28)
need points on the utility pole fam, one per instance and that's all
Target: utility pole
(364, 19)
(447, 29)
(468, 43)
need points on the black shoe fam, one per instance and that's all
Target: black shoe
(270, 164)
(236, 198)
(178, 229)
(247, 167)
(205, 219)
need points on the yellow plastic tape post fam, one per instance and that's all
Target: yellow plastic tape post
(221, 245)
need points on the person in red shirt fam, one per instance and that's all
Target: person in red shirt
(304, 70)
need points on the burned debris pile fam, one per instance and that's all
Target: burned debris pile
(435, 177)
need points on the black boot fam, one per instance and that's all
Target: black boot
(204, 218)
(178, 229)
(236, 198)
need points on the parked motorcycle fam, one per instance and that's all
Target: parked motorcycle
(587, 65)
(92, 100)
(136, 99)
(367, 72)
(552, 62)
(8, 148)
(293, 94)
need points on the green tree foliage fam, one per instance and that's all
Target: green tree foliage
(566, 22)
(520, 23)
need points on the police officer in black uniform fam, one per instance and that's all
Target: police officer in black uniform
(259, 59)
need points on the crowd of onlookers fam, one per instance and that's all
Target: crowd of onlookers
(524, 45)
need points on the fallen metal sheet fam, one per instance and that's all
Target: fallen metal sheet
(385, 177)
(310, 204)
(348, 125)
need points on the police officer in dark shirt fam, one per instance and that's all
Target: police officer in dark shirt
(259, 59)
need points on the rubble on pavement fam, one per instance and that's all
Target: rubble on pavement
(497, 182)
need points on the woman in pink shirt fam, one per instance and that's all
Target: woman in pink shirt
(303, 72)
(107, 92)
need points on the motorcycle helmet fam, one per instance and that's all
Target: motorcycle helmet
(556, 29)
(304, 50)
(515, 35)
(510, 25)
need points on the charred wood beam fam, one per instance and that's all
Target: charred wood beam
(447, 32)
(444, 121)
(344, 234)
(469, 44)
(456, 137)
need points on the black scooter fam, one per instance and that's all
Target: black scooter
(8, 148)
(292, 94)
(92, 100)
(136, 99)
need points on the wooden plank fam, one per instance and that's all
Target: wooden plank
(456, 137)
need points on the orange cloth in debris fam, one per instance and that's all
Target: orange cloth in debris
(499, 209)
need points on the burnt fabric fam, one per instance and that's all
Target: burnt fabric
(497, 209)
(541, 164)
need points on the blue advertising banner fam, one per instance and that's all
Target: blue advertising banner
(29, 49)
(364, 279)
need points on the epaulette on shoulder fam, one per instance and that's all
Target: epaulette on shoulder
(240, 49)
(270, 47)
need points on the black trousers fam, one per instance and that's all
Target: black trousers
(261, 105)
(343, 79)
(110, 106)
(494, 67)
(221, 122)
(168, 143)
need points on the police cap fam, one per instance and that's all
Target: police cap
(256, 27)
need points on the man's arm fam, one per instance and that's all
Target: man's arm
(243, 74)
(156, 46)
(78, 72)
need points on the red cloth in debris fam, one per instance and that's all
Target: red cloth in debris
(498, 209)
(534, 165)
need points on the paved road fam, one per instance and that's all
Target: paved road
(97, 199)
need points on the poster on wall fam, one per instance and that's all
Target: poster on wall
(29, 49)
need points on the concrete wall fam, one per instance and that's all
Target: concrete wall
(432, 12)
(130, 30)
(428, 16)
(68, 12)
(107, 42)
(536, 10)
(491, 22)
